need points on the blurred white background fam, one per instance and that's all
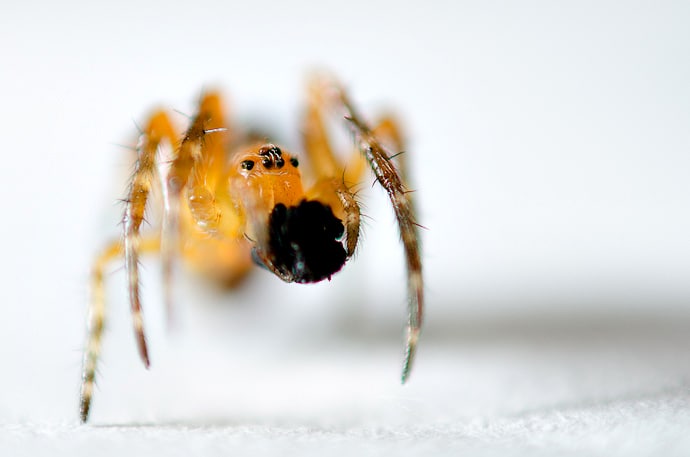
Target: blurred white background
(550, 149)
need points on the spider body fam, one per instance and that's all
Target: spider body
(302, 235)
(228, 204)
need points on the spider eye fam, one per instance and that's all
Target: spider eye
(270, 149)
(294, 162)
(247, 164)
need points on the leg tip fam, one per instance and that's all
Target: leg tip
(410, 351)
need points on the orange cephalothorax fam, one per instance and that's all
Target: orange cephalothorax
(267, 176)
(295, 238)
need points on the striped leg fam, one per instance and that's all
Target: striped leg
(387, 175)
(189, 154)
(158, 129)
(96, 319)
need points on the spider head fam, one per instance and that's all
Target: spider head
(299, 241)
(303, 242)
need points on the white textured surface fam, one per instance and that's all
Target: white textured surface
(549, 143)
(550, 388)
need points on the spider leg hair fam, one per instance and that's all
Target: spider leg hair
(158, 129)
(96, 323)
(389, 178)
(332, 179)
(96, 319)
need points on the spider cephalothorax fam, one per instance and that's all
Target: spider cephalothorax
(228, 203)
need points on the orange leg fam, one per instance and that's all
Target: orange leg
(158, 129)
(333, 181)
(196, 167)
(381, 163)
(96, 319)
(389, 133)
(198, 160)
(195, 170)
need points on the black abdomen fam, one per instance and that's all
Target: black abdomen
(304, 241)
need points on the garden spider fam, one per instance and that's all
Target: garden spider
(230, 202)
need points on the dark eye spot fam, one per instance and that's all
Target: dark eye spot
(247, 164)
(268, 163)
(269, 149)
(294, 162)
(280, 162)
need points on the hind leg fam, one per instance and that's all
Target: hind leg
(97, 315)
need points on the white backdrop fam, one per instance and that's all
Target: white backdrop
(549, 142)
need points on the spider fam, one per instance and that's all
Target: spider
(230, 201)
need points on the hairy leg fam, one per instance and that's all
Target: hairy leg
(157, 130)
(333, 182)
(381, 163)
(198, 158)
(96, 318)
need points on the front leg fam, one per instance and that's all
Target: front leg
(158, 129)
(197, 166)
(384, 169)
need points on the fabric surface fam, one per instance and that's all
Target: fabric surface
(556, 387)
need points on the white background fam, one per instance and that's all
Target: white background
(550, 148)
